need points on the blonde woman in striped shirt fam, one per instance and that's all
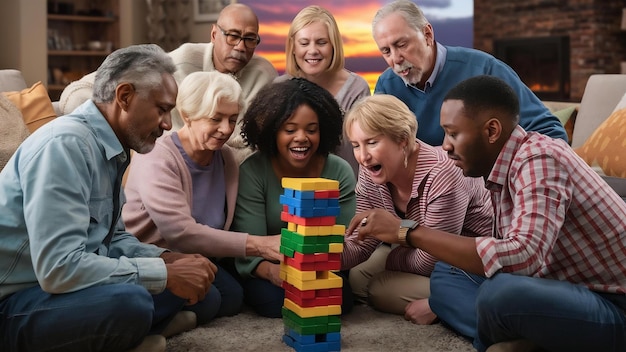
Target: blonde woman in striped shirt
(414, 181)
(552, 275)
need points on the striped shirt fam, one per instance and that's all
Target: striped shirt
(449, 202)
(555, 217)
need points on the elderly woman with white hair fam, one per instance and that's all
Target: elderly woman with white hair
(182, 195)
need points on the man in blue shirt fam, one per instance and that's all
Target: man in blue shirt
(71, 277)
(421, 72)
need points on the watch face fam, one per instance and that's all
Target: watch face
(408, 223)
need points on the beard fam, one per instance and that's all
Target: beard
(141, 145)
(413, 78)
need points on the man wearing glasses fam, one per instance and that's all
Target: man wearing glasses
(234, 37)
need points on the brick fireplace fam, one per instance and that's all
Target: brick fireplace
(542, 62)
(584, 34)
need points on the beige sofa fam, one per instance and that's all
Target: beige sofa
(13, 80)
(18, 123)
(603, 95)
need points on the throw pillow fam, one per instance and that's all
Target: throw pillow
(567, 117)
(13, 131)
(35, 105)
(606, 147)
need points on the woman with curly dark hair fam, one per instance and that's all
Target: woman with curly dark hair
(295, 126)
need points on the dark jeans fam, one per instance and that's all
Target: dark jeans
(555, 315)
(101, 318)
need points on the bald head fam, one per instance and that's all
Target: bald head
(239, 10)
(236, 25)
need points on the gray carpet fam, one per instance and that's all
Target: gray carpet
(364, 329)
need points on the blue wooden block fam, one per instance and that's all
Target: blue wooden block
(332, 346)
(321, 203)
(304, 194)
(289, 192)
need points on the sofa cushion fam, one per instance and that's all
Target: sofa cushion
(34, 104)
(567, 116)
(13, 131)
(11, 79)
(606, 147)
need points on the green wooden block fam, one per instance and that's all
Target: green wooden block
(286, 251)
(335, 239)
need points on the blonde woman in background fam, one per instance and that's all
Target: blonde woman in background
(314, 51)
(182, 195)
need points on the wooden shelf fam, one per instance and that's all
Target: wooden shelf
(56, 87)
(78, 53)
(78, 18)
(69, 32)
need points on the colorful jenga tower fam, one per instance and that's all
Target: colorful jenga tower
(311, 244)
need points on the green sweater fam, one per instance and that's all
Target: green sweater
(258, 201)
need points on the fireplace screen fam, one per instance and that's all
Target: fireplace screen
(542, 64)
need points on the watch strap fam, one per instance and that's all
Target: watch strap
(406, 225)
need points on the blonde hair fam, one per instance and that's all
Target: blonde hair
(305, 17)
(383, 114)
(200, 92)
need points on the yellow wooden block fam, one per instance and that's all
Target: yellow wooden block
(292, 226)
(320, 230)
(309, 183)
(335, 247)
(338, 230)
(325, 230)
(325, 279)
(308, 230)
(308, 312)
(298, 274)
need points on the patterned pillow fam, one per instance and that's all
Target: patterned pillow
(606, 147)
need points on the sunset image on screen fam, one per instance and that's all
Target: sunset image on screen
(451, 20)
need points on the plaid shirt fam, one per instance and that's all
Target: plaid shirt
(555, 217)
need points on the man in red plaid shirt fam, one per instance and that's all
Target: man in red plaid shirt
(553, 274)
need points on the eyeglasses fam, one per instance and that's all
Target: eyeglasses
(233, 39)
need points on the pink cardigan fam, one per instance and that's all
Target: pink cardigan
(159, 198)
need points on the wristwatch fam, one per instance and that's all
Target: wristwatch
(406, 225)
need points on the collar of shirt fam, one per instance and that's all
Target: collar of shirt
(442, 52)
(497, 176)
(439, 63)
(89, 112)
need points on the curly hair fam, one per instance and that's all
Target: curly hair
(277, 102)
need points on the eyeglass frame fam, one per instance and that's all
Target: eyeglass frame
(239, 38)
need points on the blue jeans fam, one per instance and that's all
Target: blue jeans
(555, 315)
(101, 318)
(230, 294)
(225, 298)
(267, 299)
